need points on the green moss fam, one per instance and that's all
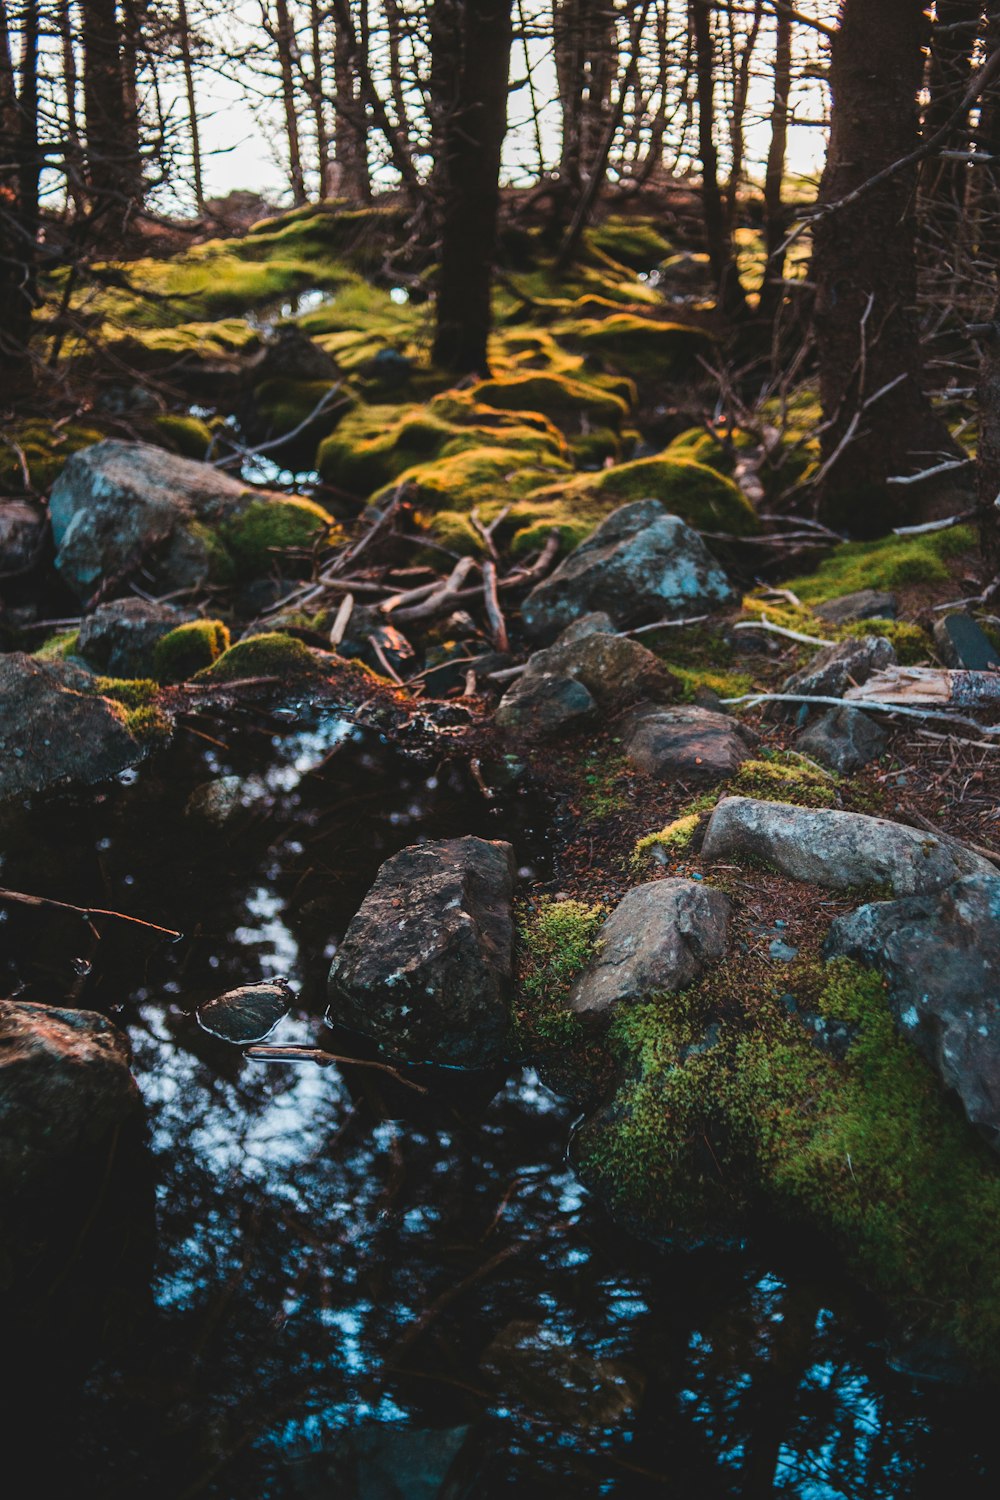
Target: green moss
(555, 942)
(677, 835)
(775, 781)
(45, 448)
(130, 692)
(636, 243)
(712, 1120)
(59, 646)
(184, 434)
(186, 650)
(696, 680)
(271, 654)
(270, 532)
(135, 701)
(638, 346)
(911, 642)
(891, 563)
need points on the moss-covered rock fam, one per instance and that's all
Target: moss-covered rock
(633, 242)
(271, 654)
(45, 449)
(590, 417)
(789, 779)
(184, 651)
(891, 563)
(639, 346)
(272, 531)
(181, 433)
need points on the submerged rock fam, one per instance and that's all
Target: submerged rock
(50, 732)
(119, 639)
(658, 939)
(426, 966)
(940, 954)
(845, 739)
(247, 1014)
(117, 505)
(565, 683)
(837, 849)
(685, 743)
(641, 563)
(64, 1085)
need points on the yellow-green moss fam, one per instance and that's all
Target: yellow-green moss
(130, 692)
(271, 654)
(59, 646)
(556, 941)
(789, 780)
(487, 477)
(911, 642)
(134, 700)
(184, 651)
(696, 680)
(184, 434)
(633, 242)
(45, 449)
(636, 345)
(891, 563)
(269, 532)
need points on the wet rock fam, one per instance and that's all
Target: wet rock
(846, 664)
(940, 954)
(565, 683)
(51, 732)
(22, 536)
(685, 743)
(844, 740)
(658, 939)
(640, 564)
(247, 1014)
(64, 1085)
(866, 604)
(119, 638)
(837, 849)
(426, 966)
(537, 1371)
(961, 643)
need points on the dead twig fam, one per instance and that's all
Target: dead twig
(86, 912)
(495, 615)
(323, 1059)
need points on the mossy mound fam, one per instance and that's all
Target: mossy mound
(910, 641)
(330, 231)
(270, 532)
(891, 563)
(790, 780)
(643, 347)
(636, 243)
(282, 407)
(591, 418)
(718, 1118)
(272, 654)
(45, 451)
(136, 704)
(181, 433)
(188, 649)
(200, 345)
(701, 497)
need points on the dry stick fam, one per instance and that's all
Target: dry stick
(934, 685)
(86, 912)
(792, 635)
(409, 596)
(339, 627)
(498, 625)
(945, 525)
(382, 520)
(750, 700)
(384, 661)
(443, 595)
(325, 1059)
(323, 405)
(665, 625)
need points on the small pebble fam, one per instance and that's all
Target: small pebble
(783, 953)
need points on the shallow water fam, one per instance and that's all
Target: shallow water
(335, 1255)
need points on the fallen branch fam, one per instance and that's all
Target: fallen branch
(325, 1059)
(792, 635)
(339, 627)
(937, 686)
(942, 468)
(443, 596)
(86, 912)
(750, 700)
(495, 615)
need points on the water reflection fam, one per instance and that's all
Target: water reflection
(337, 1256)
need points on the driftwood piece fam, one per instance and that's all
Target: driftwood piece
(932, 686)
(495, 615)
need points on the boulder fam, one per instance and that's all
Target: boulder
(685, 743)
(640, 564)
(940, 954)
(119, 638)
(50, 732)
(426, 966)
(866, 604)
(596, 623)
(564, 684)
(838, 667)
(64, 1085)
(837, 849)
(844, 740)
(658, 939)
(117, 505)
(22, 535)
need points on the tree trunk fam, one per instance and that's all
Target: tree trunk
(284, 38)
(953, 45)
(585, 42)
(317, 96)
(73, 153)
(194, 125)
(878, 421)
(134, 14)
(988, 455)
(110, 164)
(731, 299)
(353, 180)
(479, 33)
(17, 241)
(775, 218)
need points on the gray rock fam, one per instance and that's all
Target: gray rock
(22, 534)
(685, 743)
(596, 623)
(866, 604)
(247, 1014)
(961, 643)
(51, 732)
(844, 740)
(640, 564)
(426, 966)
(844, 665)
(940, 954)
(564, 683)
(837, 849)
(658, 939)
(64, 1085)
(119, 638)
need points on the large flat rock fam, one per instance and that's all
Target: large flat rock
(940, 954)
(426, 966)
(837, 849)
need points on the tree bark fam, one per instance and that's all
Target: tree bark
(988, 454)
(353, 180)
(194, 125)
(17, 240)
(731, 298)
(878, 422)
(284, 37)
(953, 45)
(585, 42)
(109, 158)
(775, 218)
(479, 32)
